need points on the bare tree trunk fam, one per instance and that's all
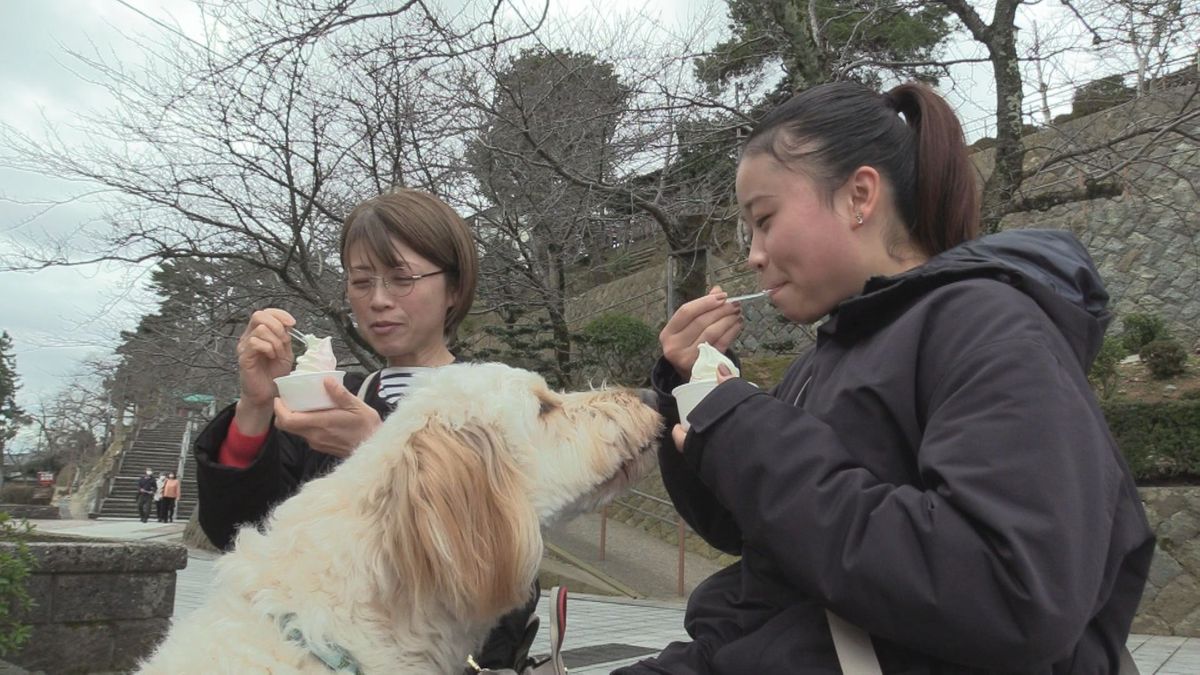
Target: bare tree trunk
(558, 318)
(1042, 86)
(1000, 39)
(689, 275)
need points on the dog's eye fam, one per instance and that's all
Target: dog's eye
(547, 407)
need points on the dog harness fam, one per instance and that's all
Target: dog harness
(552, 664)
(335, 657)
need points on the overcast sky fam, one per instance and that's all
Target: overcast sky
(60, 317)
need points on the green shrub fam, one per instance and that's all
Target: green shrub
(1164, 358)
(618, 348)
(1161, 441)
(1099, 94)
(765, 371)
(786, 345)
(16, 563)
(1104, 369)
(1141, 330)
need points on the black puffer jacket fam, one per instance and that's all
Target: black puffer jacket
(936, 470)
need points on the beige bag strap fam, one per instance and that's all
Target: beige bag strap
(366, 385)
(857, 655)
(853, 645)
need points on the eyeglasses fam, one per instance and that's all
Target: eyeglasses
(396, 285)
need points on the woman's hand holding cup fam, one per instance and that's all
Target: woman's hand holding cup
(334, 431)
(679, 433)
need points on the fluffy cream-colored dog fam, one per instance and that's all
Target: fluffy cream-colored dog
(404, 557)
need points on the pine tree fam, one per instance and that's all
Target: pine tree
(12, 417)
(812, 43)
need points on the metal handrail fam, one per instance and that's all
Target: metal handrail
(103, 492)
(183, 447)
(681, 530)
(644, 512)
(653, 498)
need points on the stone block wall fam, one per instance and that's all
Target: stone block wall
(1171, 602)
(641, 295)
(35, 511)
(1145, 241)
(98, 606)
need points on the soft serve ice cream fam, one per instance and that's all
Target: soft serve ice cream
(704, 380)
(705, 368)
(317, 357)
(304, 388)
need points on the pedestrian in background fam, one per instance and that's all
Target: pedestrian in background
(170, 497)
(146, 487)
(159, 482)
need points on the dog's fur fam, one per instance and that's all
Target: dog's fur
(410, 551)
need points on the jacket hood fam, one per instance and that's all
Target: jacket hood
(1050, 266)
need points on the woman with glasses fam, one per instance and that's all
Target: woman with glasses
(411, 269)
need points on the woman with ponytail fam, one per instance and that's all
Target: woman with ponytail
(933, 480)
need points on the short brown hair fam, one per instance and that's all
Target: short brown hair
(430, 227)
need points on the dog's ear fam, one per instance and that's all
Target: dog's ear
(457, 523)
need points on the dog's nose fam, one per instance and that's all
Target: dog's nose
(648, 397)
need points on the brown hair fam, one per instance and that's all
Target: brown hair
(829, 131)
(455, 520)
(427, 225)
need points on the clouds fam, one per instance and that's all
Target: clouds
(60, 317)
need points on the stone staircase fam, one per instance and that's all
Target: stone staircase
(158, 448)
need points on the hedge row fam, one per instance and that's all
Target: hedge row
(1161, 441)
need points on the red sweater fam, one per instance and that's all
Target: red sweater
(239, 450)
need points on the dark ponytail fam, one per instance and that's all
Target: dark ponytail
(829, 131)
(947, 204)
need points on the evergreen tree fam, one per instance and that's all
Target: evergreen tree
(555, 104)
(12, 417)
(815, 42)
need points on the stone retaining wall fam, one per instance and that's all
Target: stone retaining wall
(98, 606)
(1145, 241)
(1170, 604)
(34, 511)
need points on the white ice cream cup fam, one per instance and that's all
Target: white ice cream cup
(688, 396)
(303, 392)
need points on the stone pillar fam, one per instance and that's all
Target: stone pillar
(98, 605)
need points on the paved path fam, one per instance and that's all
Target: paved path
(603, 633)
